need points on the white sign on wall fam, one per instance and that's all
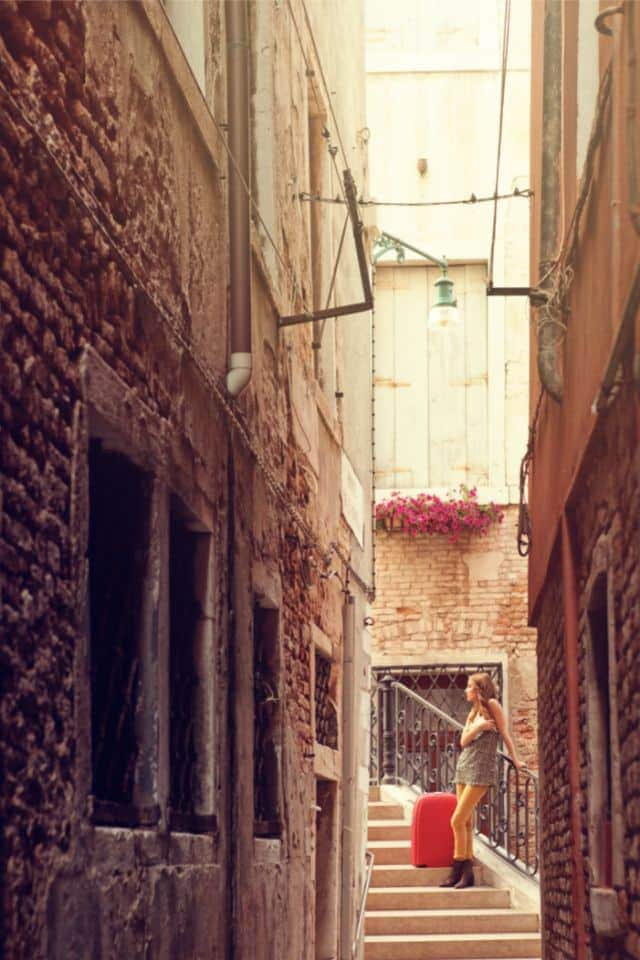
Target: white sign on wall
(352, 500)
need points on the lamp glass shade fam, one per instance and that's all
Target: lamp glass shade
(442, 317)
(444, 310)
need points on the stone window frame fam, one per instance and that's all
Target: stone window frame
(605, 910)
(268, 836)
(326, 758)
(109, 408)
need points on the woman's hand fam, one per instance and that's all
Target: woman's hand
(480, 724)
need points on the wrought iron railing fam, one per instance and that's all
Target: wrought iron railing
(441, 684)
(417, 744)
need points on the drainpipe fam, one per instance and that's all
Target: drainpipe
(548, 360)
(239, 373)
(349, 779)
(570, 611)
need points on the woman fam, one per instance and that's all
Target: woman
(476, 770)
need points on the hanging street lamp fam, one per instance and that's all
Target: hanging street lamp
(443, 314)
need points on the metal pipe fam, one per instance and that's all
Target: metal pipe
(240, 361)
(349, 779)
(547, 359)
(363, 267)
(369, 860)
(570, 611)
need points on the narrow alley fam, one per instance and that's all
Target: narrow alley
(320, 480)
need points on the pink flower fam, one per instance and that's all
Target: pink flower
(428, 513)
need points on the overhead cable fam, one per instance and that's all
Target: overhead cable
(310, 72)
(503, 81)
(471, 199)
(324, 83)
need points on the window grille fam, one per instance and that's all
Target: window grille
(325, 710)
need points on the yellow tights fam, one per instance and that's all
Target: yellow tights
(469, 795)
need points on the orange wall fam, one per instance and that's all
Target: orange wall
(607, 258)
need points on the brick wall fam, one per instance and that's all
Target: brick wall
(605, 507)
(555, 847)
(443, 602)
(149, 303)
(64, 288)
(94, 79)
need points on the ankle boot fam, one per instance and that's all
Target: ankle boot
(454, 874)
(466, 878)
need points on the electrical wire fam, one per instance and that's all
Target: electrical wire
(471, 199)
(334, 275)
(321, 106)
(324, 83)
(503, 82)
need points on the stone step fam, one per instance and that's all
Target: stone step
(374, 793)
(390, 830)
(390, 851)
(461, 946)
(401, 875)
(451, 921)
(384, 810)
(431, 898)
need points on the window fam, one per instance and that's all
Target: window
(188, 20)
(605, 820)
(599, 713)
(147, 672)
(191, 671)
(120, 499)
(267, 723)
(325, 703)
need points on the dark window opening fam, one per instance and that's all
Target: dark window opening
(189, 743)
(119, 510)
(600, 740)
(267, 721)
(325, 708)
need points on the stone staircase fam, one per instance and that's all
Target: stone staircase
(408, 917)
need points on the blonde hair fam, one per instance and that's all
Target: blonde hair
(486, 690)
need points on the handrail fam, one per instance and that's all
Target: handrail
(369, 857)
(418, 744)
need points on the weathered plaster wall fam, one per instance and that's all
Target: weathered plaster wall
(93, 77)
(465, 602)
(111, 88)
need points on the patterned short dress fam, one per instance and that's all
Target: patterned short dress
(476, 764)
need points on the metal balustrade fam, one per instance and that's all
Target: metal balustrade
(416, 744)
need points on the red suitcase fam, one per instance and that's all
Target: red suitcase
(431, 834)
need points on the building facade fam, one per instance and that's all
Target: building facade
(584, 472)
(186, 535)
(451, 406)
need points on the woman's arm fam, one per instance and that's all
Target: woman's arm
(501, 723)
(472, 731)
